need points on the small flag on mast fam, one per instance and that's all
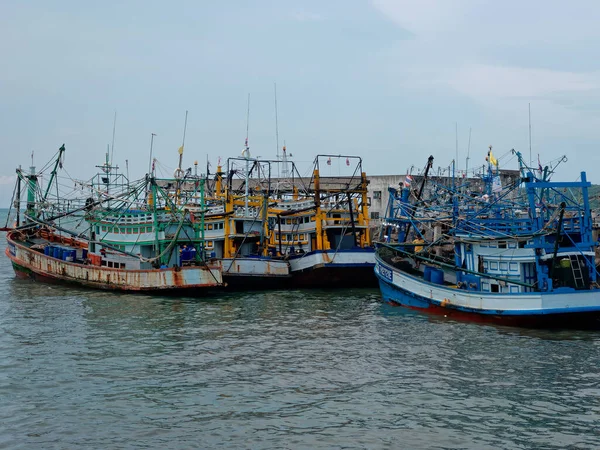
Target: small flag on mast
(491, 158)
(329, 161)
(347, 161)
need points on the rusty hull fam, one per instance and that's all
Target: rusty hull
(38, 265)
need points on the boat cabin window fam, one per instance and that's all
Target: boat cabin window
(501, 244)
(495, 288)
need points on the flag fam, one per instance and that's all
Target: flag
(491, 158)
(540, 168)
(496, 184)
(347, 161)
(407, 181)
(329, 161)
(246, 142)
(181, 150)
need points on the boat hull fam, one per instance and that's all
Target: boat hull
(331, 269)
(28, 263)
(255, 273)
(574, 309)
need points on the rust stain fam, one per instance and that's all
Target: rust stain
(178, 279)
(110, 278)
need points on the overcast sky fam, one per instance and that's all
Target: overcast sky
(384, 79)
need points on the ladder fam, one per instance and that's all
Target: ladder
(577, 271)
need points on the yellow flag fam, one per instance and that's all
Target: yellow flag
(490, 157)
(181, 150)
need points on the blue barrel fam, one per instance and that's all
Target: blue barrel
(213, 254)
(69, 255)
(84, 253)
(427, 273)
(185, 254)
(47, 249)
(437, 276)
(56, 252)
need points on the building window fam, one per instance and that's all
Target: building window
(374, 214)
(376, 195)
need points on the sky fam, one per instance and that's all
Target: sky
(392, 81)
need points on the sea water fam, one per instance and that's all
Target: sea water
(282, 369)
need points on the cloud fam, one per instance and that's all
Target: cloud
(424, 15)
(480, 80)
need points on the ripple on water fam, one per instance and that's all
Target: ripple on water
(285, 369)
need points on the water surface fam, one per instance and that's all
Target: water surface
(282, 369)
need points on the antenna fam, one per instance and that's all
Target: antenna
(276, 128)
(112, 152)
(184, 128)
(248, 122)
(246, 154)
(150, 162)
(468, 153)
(182, 142)
(530, 160)
(456, 134)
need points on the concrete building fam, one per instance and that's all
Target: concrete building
(378, 193)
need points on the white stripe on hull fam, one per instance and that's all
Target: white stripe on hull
(546, 302)
(331, 258)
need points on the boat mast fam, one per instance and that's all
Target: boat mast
(412, 210)
(150, 168)
(18, 197)
(31, 188)
(58, 163)
(277, 131)
(246, 154)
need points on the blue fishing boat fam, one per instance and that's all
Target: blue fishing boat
(519, 254)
